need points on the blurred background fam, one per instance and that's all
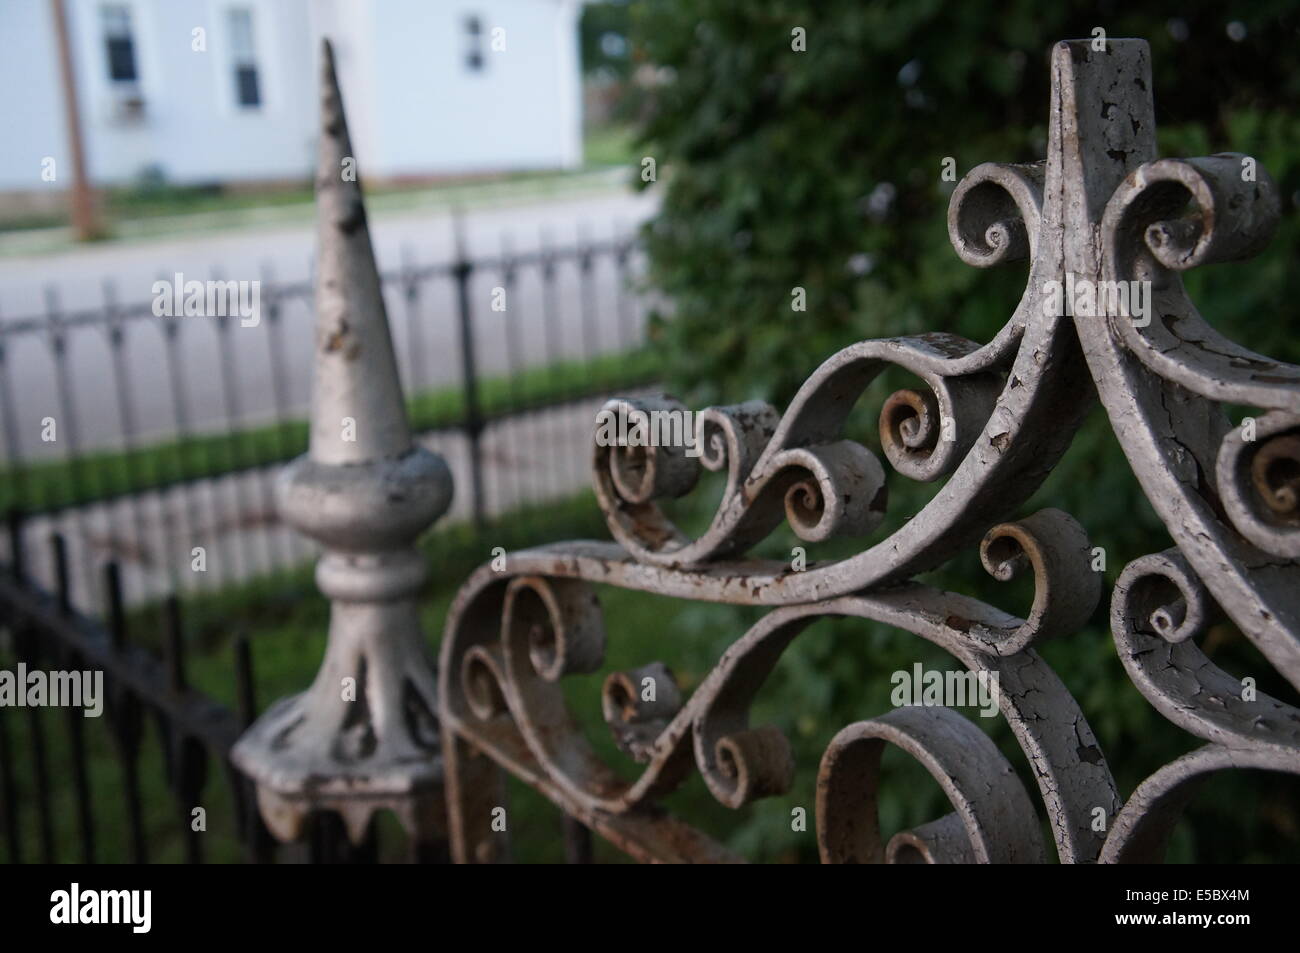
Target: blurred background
(647, 181)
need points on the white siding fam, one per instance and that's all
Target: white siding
(435, 114)
(31, 110)
(191, 126)
(414, 106)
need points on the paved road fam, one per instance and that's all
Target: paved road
(90, 410)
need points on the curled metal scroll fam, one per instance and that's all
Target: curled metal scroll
(496, 694)
(993, 820)
(1158, 609)
(986, 426)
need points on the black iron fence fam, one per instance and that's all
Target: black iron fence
(193, 733)
(152, 439)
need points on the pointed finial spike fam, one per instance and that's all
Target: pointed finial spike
(365, 493)
(358, 413)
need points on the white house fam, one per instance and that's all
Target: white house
(224, 91)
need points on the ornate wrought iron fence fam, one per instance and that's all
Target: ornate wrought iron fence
(1101, 213)
(379, 729)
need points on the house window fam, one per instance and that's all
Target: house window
(474, 44)
(248, 90)
(119, 42)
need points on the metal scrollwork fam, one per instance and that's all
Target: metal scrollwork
(988, 425)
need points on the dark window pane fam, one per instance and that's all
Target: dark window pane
(246, 88)
(474, 61)
(121, 59)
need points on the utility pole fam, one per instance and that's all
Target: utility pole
(82, 200)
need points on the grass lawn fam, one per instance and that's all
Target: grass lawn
(146, 209)
(609, 145)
